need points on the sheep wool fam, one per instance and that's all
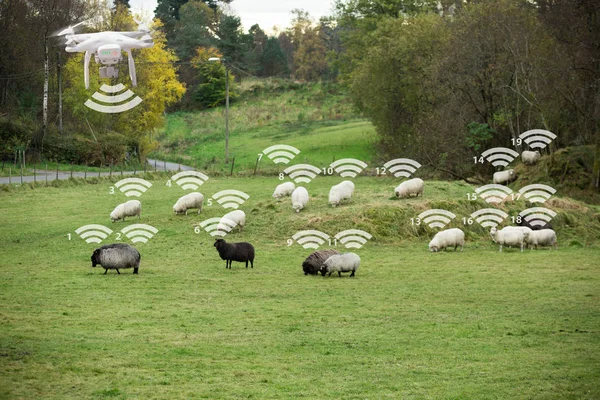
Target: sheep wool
(340, 192)
(130, 208)
(530, 157)
(504, 176)
(510, 238)
(188, 202)
(284, 190)
(313, 262)
(116, 256)
(543, 237)
(447, 238)
(241, 252)
(408, 188)
(346, 262)
(299, 198)
(232, 219)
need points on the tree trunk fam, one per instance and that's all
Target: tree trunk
(595, 184)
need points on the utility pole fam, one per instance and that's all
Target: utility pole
(226, 114)
(60, 114)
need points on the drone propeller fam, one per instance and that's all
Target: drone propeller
(70, 30)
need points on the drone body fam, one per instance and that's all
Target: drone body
(106, 48)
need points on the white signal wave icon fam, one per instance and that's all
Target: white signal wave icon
(493, 193)
(230, 198)
(133, 186)
(93, 233)
(500, 156)
(281, 153)
(310, 239)
(537, 138)
(537, 193)
(404, 167)
(302, 173)
(489, 217)
(537, 216)
(113, 99)
(348, 167)
(437, 218)
(353, 238)
(139, 232)
(218, 226)
(189, 180)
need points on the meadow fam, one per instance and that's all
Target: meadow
(411, 324)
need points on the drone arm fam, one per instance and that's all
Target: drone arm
(86, 69)
(131, 68)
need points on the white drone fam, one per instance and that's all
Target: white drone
(106, 47)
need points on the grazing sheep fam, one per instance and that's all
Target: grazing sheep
(518, 228)
(341, 191)
(130, 208)
(504, 176)
(238, 217)
(412, 186)
(116, 256)
(346, 262)
(235, 252)
(284, 190)
(447, 238)
(313, 263)
(299, 198)
(530, 157)
(188, 202)
(543, 237)
(510, 237)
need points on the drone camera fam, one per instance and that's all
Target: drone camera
(109, 72)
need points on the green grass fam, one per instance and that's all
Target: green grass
(318, 119)
(412, 324)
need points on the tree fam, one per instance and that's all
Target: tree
(311, 56)
(272, 61)
(210, 91)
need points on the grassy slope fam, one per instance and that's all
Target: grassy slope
(477, 324)
(312, 117)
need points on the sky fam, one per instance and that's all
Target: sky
(266, 13)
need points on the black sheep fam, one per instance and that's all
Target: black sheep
(313, 263)
(526, 223)
(235, 252)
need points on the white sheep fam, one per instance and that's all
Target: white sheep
(188, 202)
(504, 176)
(412, 186)
(237, 217)
(510, 237)
(530, 157)
(346, 262)
(130, 208)
(299, 198)
(543, 237)
(518, 228)
(341, 191)
(447, 238)
(284, 190)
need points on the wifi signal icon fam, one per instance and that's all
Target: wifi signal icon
(218, 226)
(281, 153)
(348, 167)
(436, 218)
(489, 217)
(310, 239)
(537, 138)
(500, 156)
(93, 233)
(353, 238)
(404, 167)
(133, 186)
(113, 98)
(537, 193)
(139, 232)
(537, 216)
(230, 198)
(493, 193)
(302, 173)
(189, 180)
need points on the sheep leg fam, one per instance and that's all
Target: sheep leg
(186, 212)
(339, 274)
(135, 270)
(105, 271)
(352, 274)
(118, 271)
(500, 248)
(246, 263)
(251, 263)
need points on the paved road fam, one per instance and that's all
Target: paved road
(41, 175)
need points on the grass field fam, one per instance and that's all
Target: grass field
(412, 324)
